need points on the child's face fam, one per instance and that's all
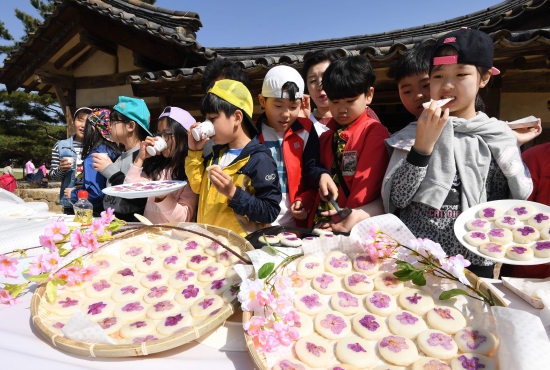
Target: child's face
(79, 124)
(346, 111)
(314, 79)
(458, 81)
(163, 129)
(413, 91)
(225, 127)
(280, 113)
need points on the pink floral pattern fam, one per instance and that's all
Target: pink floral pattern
(108, 322)
(314, 349)
(339, 262)
(100, 285)
(542, 245)
(519, 250)
(436, 365)
(173, 320)
(540, 217)
(157, 292)
(102, 264)
(380, 300)
(473, 338)
(478, 235)
(287, 365)
(58, 325)
(163, 306)
(479, 223)
(311, 265)
(192, 245)
(68, 302)
(138, 324)
(470, 364)
(154, 276)
(334, 323)
(324, 280)
(198, 259)
(489, 212)
(509, 220)
(414, 299)
(96, 308)
(224, 256)
(394, 343)
(347, 300)
(311, 301)
(217, 284)
(298, 280)
(499, 233)
(128, 290)
(445, 313)
(494, 248)
(440, 339)
(148, 260)
(390, 281)
(406, 318)
(521, 211)
(134, 251)
(206, 303)
(355, 279)
(164, 247)
(356, 347)
(184, 275)
(369, 322)
(145, 339)
(526, 230)
(132, 306)
(146, 186)
(190, 292)
(364, 263)
(210, 270)
(126, 272)
(171, 260)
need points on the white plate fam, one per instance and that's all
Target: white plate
(144, 189)
(505, 205)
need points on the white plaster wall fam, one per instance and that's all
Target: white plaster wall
(125, 60)
(98, 64)
(518, 105)
(105, 97)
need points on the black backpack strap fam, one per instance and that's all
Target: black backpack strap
(341, 181)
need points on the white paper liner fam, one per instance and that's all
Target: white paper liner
(524, 344)
(82, 329)
(476, 312)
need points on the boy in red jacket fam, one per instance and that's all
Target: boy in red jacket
(353, 148)
(294, 145)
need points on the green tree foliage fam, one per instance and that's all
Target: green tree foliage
(29, 125)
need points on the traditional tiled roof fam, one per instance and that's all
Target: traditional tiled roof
(173, 26)
(489, 20)
(507, 44)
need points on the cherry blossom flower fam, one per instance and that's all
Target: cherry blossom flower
(37, 266)
(455, 266)
(97, 227)
(57, 230)
(107, 216)
(426, 247)
(51, 261)
(248, 293)
(89, 241)
(254, 325)
(264, 298)
(87, 273)
(6, 298)
(7, 266)
(47, 242)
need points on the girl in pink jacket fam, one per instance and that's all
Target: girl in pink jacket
(178, 206)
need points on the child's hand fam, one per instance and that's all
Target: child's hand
(298, 211)
(326, 186)
(305, 107)
(192, 143)
(429, 128)
(100, 161)
(525, 135)
(222, 182)
(143, 155)
(67, 192)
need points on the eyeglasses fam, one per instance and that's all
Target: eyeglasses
(166, 135)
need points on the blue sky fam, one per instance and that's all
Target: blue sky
(248, 22)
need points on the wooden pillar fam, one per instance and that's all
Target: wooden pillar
(68, 105)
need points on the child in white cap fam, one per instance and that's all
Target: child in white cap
(169, 164)
(294, 145)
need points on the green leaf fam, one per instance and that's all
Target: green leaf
(16, 291)
(51, 291)
(418, 278)
(404, 265)
(266, 269)
(452, 293)
(404, 275)
(58, 281)
(21, 252)
(235, 287)
(38, 278)
(63, 252)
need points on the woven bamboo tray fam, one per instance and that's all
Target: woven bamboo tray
(40, 315)
(261, 363)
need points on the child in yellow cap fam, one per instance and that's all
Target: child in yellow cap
(237, 183)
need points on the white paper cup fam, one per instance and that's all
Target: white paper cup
(160, 145)
(69, 159)
(203, 130)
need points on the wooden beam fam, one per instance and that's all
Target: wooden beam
(532, 81)
(105, 45)
(44, 90)
(32, 86)
(49, 78)
(96, 82)
(81, 59)
(147, 63)
(70, 54)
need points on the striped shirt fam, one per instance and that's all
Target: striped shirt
(55, 172)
